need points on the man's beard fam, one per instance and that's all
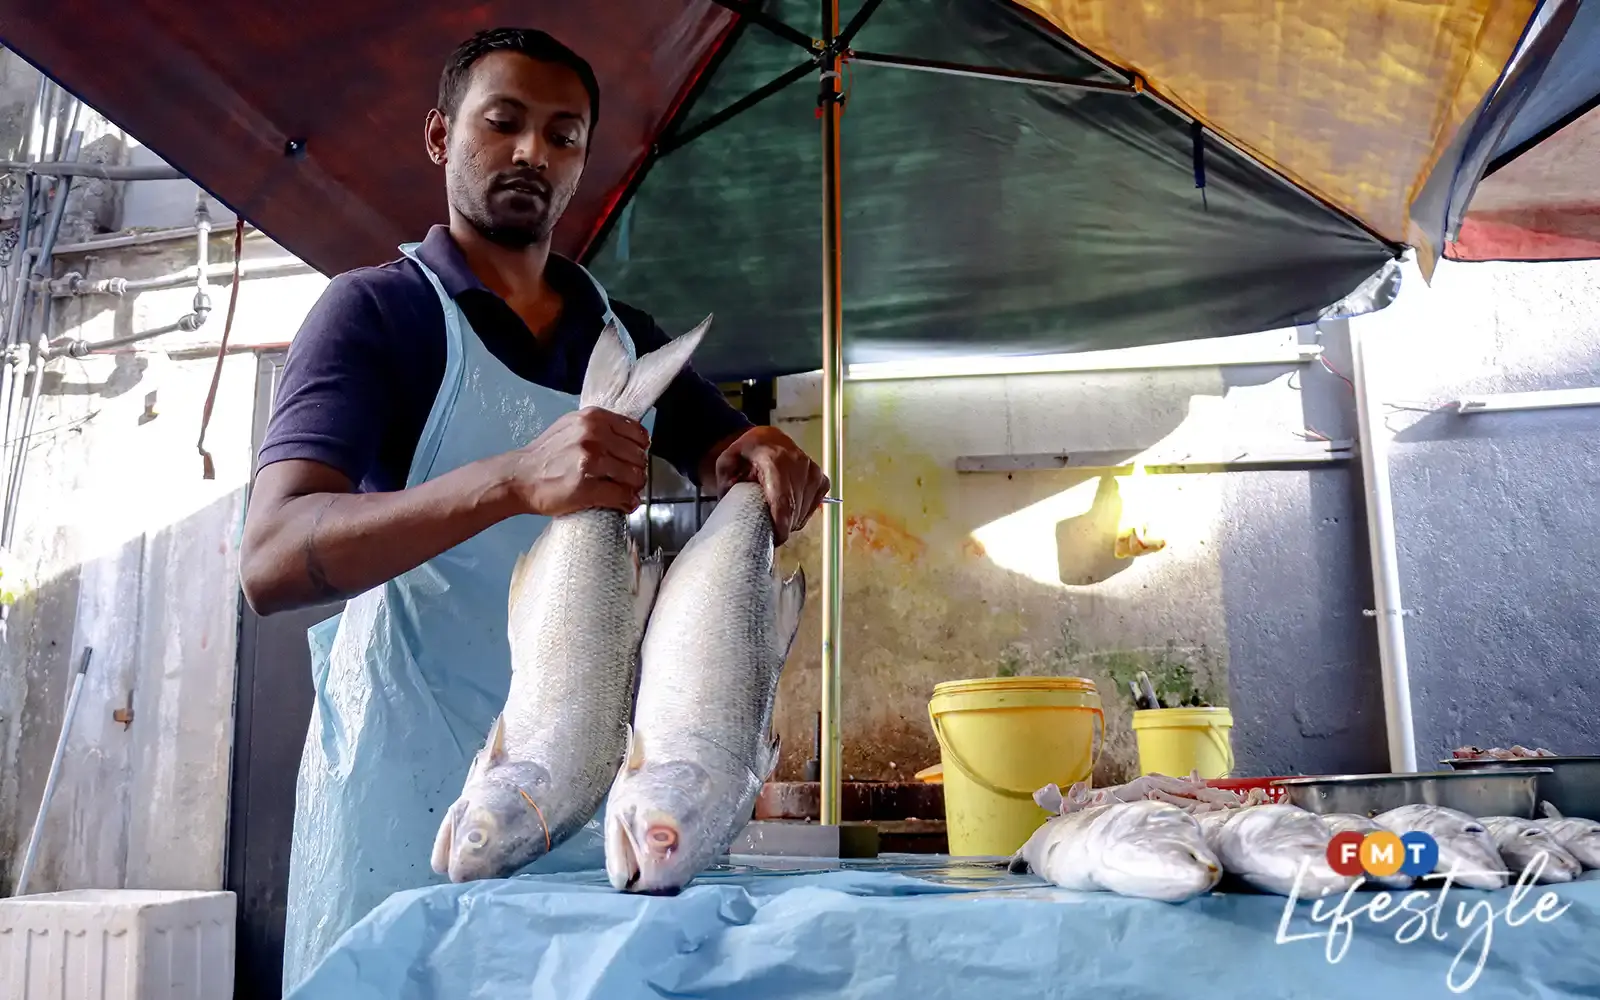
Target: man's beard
(520, 231)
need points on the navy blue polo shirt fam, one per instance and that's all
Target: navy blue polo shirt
(363, 371)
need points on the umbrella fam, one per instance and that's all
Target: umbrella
(1539, 197)
(1010, 177)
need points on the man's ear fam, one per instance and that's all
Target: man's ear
(436, 135)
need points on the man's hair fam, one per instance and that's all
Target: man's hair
(530, 42)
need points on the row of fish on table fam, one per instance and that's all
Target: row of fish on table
(648, 692)
(1174, 838)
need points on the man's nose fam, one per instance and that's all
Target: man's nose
(532, 152)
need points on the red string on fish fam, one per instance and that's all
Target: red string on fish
(539, 813)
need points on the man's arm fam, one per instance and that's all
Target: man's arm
(310, 537)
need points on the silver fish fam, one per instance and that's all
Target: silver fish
(1581, 837)
(579, 598)
(1465, 847)
(1275, 848)
(1526, 845)
(1356, 823)
(698, 750)
(1145, 848)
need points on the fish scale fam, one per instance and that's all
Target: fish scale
(718, 636)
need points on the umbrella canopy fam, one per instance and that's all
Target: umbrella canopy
(1540, 196)
(1178, 168)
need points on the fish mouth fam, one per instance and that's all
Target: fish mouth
(622, 855)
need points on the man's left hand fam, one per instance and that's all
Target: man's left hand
(793, 483)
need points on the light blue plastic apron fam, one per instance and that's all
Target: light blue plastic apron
(411, 674)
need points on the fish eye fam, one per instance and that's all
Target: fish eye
(662, 838)
(1473, 828)
(475, 838)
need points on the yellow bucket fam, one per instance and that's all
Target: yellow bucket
(1178, 741)
(1000, 740)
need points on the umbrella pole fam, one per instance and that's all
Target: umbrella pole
(832, 418)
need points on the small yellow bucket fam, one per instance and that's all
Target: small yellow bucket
(1178, 741)
(1000, 740)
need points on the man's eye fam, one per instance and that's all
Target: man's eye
(566, 140)
(501, 124)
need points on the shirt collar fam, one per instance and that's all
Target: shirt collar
(444, 258)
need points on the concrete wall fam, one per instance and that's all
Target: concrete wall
(1496, 512)
(134, 554)
(952, 575)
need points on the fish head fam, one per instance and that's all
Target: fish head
(1528, 847)
(498, 824)
(1467, 849)
(1156, 851)
(666, 821)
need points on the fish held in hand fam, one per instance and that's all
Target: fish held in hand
(1356, 823)
(1274, 848)
(1526, 846)
(578, 602)
(698, 750)
(1147, 849)
(1466, 851)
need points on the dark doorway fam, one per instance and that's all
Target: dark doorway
(272, 707)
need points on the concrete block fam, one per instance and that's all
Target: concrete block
(117, 944)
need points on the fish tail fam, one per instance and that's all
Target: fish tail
(613, 382)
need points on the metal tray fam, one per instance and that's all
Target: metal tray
(1510, 791)
(1572, 786)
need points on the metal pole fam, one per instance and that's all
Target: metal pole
(31, 854)
(832, 418)
(1385, 570)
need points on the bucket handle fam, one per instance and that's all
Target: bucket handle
(1223, 745)
(1010, 793)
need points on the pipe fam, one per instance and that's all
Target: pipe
(41, 268)
(30, 855)
(73, 284)
(1390, 612)
(132, 240)
(101, 171)
(830, 99)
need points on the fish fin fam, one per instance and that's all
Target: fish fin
(1548, 810)
(633, 756)
(1018, 865)
(494, 750)
(613, 383)
(791, 602)
(445, 838)
(646, 584)
(523, 574)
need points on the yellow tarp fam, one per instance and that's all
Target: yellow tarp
(1354, 100)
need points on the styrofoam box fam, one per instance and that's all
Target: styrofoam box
(117, 944)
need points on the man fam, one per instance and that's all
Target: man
(426, 430)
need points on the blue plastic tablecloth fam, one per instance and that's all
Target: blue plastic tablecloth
(931, 928)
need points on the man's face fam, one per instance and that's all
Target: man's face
(514, 151)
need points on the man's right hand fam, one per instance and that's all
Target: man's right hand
(590, 458)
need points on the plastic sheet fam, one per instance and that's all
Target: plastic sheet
(930, 929)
